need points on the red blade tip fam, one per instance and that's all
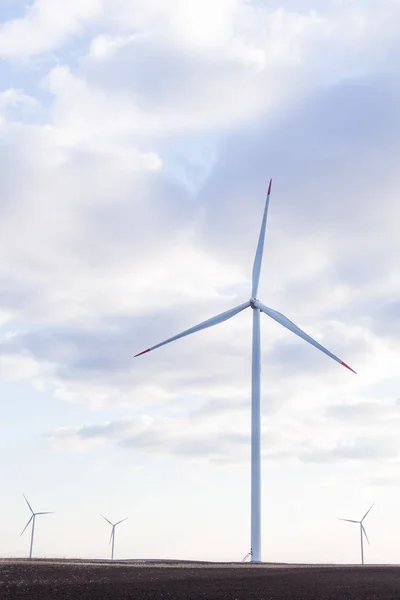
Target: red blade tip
(347, 367)
(140, 353)
(269, 187)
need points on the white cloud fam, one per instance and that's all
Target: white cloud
(94, 184)
(158, 435)
(19, 367)
(104, 46)
(46, 25)
(12, 97)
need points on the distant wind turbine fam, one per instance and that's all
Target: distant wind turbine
(32, 519)
(112, 536)
(362, 532)
(257, 307)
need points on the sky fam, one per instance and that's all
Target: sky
(137, 141)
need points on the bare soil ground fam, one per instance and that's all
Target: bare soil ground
(152, 580)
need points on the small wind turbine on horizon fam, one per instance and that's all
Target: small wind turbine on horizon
(257, 308)
(362, 532)
(32, 519)
(112, 536)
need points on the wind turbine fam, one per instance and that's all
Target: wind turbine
(112, 536)
(33, 517)
(362, 532)
(257, 308)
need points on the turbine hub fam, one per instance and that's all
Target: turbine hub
(252, 300)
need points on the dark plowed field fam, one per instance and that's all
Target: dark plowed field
(43, 580)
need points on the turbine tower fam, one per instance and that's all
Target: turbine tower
(362, 532)
(33, 517)
(257, 308)
(112, 536)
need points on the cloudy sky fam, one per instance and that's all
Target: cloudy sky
(137, 140)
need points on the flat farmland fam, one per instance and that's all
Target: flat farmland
(153, 580)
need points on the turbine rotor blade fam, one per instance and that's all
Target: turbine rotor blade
(209, 323)
(260, 246)
(365, 533)
(105, 518)
(45, 513)
(367, 512)
(349, 520)
(280, 318)
(27, 525)
(121, 521)
(26, 500)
